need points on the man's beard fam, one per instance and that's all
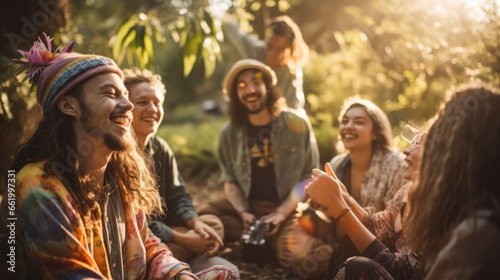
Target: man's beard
(256, 111)
(114, 143)
(262, 106)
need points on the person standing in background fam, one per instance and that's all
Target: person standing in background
(283, 49)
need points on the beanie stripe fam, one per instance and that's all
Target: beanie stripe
(68, 72)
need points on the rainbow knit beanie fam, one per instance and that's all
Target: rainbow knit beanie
(66, 72)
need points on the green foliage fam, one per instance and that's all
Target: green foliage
(190, 113)
(326, 136)
(199, 35)
(195, 147)
(13, 90)
(402, 62)
(134, 39)
(196, 33)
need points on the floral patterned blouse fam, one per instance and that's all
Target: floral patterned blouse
(390, 250)
(387, 226)
(381, 181)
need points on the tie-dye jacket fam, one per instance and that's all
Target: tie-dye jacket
(52, 238)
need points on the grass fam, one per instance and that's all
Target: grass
(194, 146)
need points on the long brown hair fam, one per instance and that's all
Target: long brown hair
(459, 171)
(54, 142)
(286, 27)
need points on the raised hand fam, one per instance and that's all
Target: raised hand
(326, 191)
(329, 171)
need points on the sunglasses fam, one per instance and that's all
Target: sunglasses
(410, 132)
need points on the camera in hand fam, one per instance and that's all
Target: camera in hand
(255, 248)
(256, 234)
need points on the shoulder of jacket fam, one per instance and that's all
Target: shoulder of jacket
(158, 145)
(291, 113)
(157, 140)
(228, 128)
(293, 116)
(31, 170)
(32, 176)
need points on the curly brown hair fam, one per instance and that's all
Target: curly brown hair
(134, 76)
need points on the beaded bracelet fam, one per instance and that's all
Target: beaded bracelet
(347, 209)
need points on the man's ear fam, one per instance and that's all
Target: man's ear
(69, 105)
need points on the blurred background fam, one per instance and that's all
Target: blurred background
(402, 55)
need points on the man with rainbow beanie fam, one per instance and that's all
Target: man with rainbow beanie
(82, 188)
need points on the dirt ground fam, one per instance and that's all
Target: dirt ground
(249, 270)
(233, 252)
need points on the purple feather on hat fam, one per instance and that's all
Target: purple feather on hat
(56, 73)
(39, 57)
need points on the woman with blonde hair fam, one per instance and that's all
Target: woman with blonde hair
(455, 210)
(371, 169)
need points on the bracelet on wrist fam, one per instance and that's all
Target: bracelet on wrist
(347, 209)
(242, 211)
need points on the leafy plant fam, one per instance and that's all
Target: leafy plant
(196, 30)
(197, 33)
(135, 38)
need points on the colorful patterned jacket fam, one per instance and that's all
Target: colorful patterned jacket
(51, 236)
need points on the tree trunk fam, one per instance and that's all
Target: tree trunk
(21, 23)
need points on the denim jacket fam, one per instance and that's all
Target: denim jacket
(295, 153)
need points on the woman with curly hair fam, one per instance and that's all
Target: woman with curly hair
(453, 227)
(455, 210)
